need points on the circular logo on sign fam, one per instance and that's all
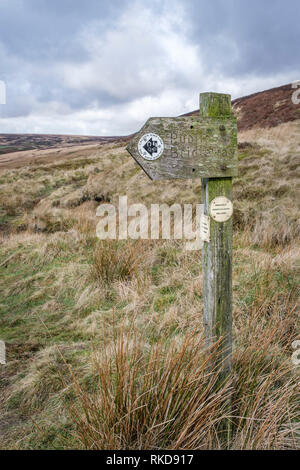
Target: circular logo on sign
(221, 209)
(150, 146)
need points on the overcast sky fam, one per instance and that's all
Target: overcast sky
(102, 67)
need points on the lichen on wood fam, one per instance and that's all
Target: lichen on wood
(194, 147)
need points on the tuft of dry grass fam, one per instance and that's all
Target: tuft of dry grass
(163, 396)
(156, 397)
(116, 261)
(265, 399)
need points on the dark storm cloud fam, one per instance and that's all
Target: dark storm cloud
(61, 57)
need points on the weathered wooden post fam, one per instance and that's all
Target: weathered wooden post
(202, 147)
(217, 254)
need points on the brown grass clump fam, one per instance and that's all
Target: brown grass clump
(163, 397)
(265, 399)
(116, 261)
(160, 396)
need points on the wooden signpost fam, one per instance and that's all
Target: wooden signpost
(206, 147)
(187, 147)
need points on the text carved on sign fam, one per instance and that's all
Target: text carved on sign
(186, 147)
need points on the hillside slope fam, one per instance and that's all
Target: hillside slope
(64, 294)
(264, 109)
(260, 110)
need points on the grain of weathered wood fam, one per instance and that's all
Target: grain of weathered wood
(217, 261)
(215, 105)
(193, 147)
(217, 255)
(217, 271)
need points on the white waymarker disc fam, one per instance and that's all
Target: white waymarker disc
(150, 146)
(221, 209)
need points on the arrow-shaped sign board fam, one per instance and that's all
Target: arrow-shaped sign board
(187, 147)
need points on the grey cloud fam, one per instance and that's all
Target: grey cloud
(69, 55)
(43, 30)
(242, 37)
